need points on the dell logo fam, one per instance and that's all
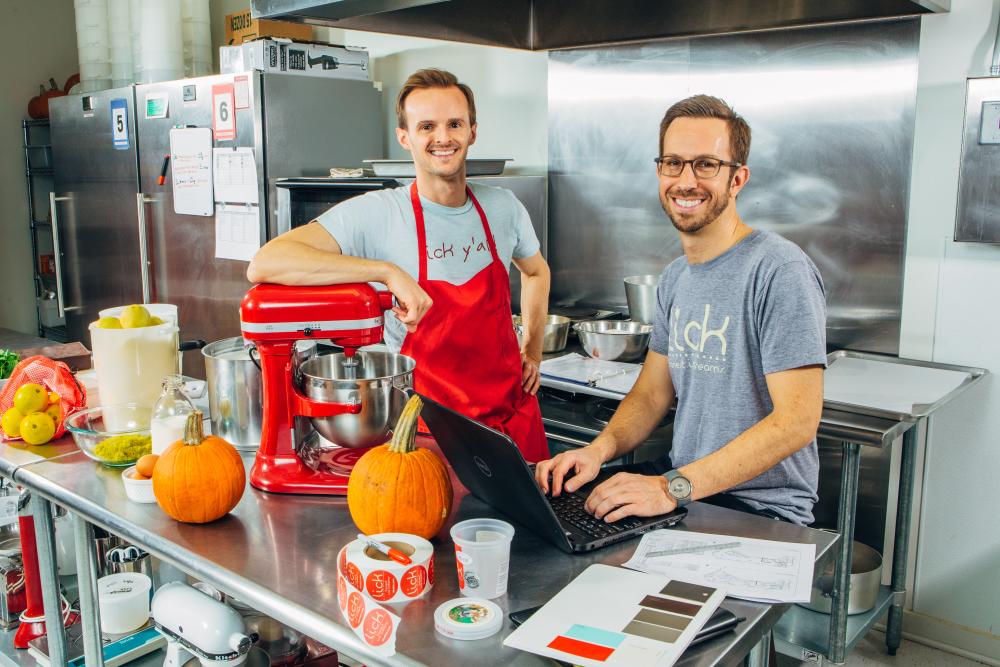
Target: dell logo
(483, 468)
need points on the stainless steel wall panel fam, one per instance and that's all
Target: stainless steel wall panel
(831, 109)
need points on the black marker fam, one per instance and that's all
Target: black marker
(163, 170)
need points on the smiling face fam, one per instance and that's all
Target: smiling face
(438, 132)
(693, 203)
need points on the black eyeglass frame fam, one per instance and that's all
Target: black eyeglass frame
(684, 163)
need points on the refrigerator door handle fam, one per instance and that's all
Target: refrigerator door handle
(141, 201)
(54, 216)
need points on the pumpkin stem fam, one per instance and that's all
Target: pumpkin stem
(194, 432)
(406, 427)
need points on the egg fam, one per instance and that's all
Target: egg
(138, 476)
(144, 466)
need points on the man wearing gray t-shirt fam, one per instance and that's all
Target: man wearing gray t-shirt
(739, 341)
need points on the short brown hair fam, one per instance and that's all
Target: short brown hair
(706, 106)
(432, 78)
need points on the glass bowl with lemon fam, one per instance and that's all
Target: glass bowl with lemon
(115, 435)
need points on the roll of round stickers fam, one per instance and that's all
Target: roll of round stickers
(468, 618)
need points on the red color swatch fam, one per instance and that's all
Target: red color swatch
(581, 649)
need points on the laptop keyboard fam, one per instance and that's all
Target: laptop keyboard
(569, 508)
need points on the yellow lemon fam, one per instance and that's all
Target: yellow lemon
(11, 423)
(108, 323)
(154, 320)
(134, 317)
(37, 428)
(54, 397)
(55, 412)
(30, 398)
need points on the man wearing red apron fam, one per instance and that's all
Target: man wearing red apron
(442, 248)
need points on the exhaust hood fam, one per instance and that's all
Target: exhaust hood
(540, 25)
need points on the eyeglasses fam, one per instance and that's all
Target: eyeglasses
(702, 167)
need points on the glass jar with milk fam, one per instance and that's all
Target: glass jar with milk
(170, 414)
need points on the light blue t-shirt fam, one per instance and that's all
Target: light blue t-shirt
(756, 309)
(381, 225)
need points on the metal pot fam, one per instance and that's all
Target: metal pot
(613, 340)
(235, 396)
(379, 382)
(640, 292)
(866, 577)
(554, 333)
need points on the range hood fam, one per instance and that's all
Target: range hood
(539, 25)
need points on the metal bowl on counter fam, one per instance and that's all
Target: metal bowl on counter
(554, 334)
(378, 381)
(614, 340)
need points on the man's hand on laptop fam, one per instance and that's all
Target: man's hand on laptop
(582, 464)
(627, 494)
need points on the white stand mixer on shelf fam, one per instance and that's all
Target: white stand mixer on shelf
(199, 626)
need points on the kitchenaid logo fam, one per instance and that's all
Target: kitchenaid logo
(702, 343)
(483, 468)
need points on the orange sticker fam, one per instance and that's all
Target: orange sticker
(414, 581)
(430, 571)
(378, 627)
(459, 568)
(354, 576)
(342, 592)
(381, 585)
(355, 609)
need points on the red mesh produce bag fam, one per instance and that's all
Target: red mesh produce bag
(54, 376)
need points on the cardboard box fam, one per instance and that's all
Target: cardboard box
(241, 27)
(302, 58)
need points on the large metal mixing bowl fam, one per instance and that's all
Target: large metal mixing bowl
(379, 382)
(554, 332)
(613, 340)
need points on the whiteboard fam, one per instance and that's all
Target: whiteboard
(191, 170)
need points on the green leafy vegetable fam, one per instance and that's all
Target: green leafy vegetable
(8, 360)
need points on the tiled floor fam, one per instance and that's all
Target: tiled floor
(870, 652)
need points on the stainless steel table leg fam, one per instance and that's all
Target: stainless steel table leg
(842, 575)
(760, 654)
(86, 577)
(894, 630)
(45, 539)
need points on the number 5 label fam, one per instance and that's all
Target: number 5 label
(119, 124)
(224, 112)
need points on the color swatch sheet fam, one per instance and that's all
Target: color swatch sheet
(609, 616)
(757, 570)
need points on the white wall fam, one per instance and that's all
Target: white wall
(39, 39)
(951, 314)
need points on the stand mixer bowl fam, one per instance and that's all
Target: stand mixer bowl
(379, 381)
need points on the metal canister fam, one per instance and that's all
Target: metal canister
(235, 397)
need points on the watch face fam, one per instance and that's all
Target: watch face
(680, 487)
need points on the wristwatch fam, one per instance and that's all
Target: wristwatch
(679, 487)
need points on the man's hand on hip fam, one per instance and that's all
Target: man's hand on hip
(627, 494)
(413, 301)
(531, 377)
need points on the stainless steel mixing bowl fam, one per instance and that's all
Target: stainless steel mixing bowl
(379, 382)
(554, 333)
(613, 340)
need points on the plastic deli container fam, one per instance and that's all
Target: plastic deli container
(124, 602)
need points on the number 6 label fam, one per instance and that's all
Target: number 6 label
(224, 112)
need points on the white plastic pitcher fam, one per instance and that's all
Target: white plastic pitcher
(130, 363)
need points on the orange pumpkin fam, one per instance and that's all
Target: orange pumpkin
(198, 479)
(397, 488)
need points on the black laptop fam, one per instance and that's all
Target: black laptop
(490, 465)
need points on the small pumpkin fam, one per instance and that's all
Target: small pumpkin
(38, 106)
(198, 479)
(398, 488)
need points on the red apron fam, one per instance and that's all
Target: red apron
(466, 350)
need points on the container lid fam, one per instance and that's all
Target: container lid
(468, 618)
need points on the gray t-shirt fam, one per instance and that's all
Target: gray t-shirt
(381, 225)
(758, 308)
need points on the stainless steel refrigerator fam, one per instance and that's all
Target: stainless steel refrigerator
(120, 239)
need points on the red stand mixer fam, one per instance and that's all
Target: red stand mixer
(273, 319)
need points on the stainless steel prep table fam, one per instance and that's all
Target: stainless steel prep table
(277, 553)
(810, 635)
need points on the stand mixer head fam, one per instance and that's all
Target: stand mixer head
(273, 318)
(198, 626)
